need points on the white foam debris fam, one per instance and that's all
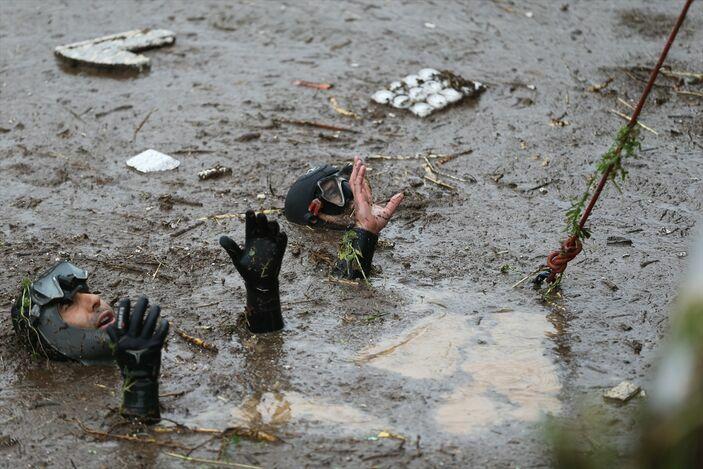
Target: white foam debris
(151, 160)
(623, 392)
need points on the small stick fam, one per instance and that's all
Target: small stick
(196, 341)
(126, 107)
(225, 216)
(313, 85)
(176, 234)
(134, 439)
(689, 93)
(627, 118)
(440, 183)
(431, 176)
(141, 124)
(442, 173)
(157, 270)
(320, 125)
(626, 103)
(340, 110)
(681, 74)
(214, 462)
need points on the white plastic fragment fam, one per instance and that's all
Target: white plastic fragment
(437, 101)
(623, 392)
(430, 87)
(382, 96)
(421, 109)
(151, 160)
(401, 102)
(117, 50)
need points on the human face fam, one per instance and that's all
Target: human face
(87, 311)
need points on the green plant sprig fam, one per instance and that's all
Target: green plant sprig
(627, 140)
(349, 254)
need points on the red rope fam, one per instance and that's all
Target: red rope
(571, 247)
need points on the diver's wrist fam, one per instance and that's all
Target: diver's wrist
(263, 311)
(140, 399)
(363, 243)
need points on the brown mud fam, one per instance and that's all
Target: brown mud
(440, 350)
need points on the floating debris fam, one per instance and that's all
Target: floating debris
(623, 392)
(428, 91)
(151, 160)
(213, 173)
(313, 85)
(117, 50)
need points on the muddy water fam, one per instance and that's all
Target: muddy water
(497, 358)
(446, 263)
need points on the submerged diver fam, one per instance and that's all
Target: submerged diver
(331, 198)
(57, 316)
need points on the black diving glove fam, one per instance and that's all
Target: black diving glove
(356, 254)
(138, 343)
(259, 264)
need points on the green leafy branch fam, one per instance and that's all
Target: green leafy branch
(627, 140)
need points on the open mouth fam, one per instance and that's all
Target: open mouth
(105, 319)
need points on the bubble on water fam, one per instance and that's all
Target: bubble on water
(411, 80)
(427, 73)
(421, 109)
(401, 102)
(417, 93)
(451, 95)
(382, 96)
(432, 87)
(437, 101)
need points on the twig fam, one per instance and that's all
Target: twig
(442, 173)
(313, 85)
(210, 461)
(689, 93)
(340, 110)
(681, 74)
(627, 118)
(440, 183)
(626, 103)
(196, 341)
(157, 270)
(98, 115)
(226, 216)
(141, 124)
(431, 175)
(134, 439)
(319, 125)
(187, 229)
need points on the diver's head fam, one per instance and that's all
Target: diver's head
(58, 317)
(321, 198)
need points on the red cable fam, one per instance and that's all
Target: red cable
(571, 247)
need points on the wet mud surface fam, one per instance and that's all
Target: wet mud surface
(439, 350)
